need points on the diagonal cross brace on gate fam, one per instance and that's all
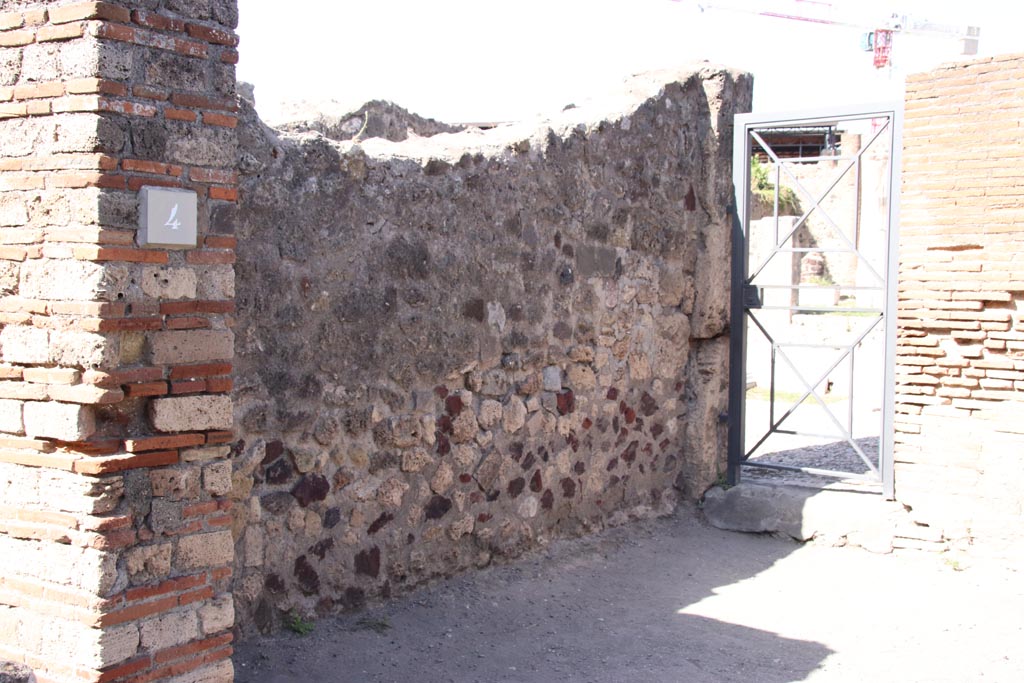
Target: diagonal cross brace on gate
(816, 203)
(811, 390)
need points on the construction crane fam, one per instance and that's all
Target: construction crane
(878, 38)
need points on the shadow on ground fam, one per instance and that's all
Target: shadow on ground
(611, 607)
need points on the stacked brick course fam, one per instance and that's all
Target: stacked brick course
(960, 364)
(115, 416)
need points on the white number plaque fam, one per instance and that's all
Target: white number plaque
(167, 217)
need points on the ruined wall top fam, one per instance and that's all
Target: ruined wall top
(429, 140)
(375, 119)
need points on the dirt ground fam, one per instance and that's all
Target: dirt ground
(675, 600)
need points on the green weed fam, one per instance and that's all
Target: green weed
(295, 623)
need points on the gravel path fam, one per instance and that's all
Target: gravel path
(838, 456)
(819, 452)
(802, 451)
(674, 600)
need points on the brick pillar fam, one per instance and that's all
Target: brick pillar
(960, 360)
(115, 408)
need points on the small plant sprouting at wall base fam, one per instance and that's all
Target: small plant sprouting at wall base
(297, 624)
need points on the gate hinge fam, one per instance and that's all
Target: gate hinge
(752, 296)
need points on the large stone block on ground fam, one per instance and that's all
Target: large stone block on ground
(804, 514)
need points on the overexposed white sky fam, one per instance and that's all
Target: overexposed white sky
(500, 60)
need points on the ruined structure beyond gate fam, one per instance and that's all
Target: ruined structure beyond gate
(450, 349)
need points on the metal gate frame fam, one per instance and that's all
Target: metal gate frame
(743, 125)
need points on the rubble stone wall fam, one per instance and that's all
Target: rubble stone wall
(453, 348)
(960, 356)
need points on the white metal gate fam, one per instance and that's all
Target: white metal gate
(813, 295)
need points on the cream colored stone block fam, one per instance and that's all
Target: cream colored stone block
(415, 460)
(442, 479)
(191, 346)
(82, 349)
(148, 563)
(62, 421)
(25, 344)
(11, 417)
(191, 413)
(253, 547)
(204, 550)
(62, 280)
(217, 614)
(176, 483)
(581, 378)
(513, 415)
(113, 646)
(217, 478)
(168, 630)
(169, 283)
(391, 492)
(217, 283)
(218, 672)
(205, 454)
(490, 414)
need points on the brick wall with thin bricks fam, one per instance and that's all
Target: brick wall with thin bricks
(960, 357)
(115, 360)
